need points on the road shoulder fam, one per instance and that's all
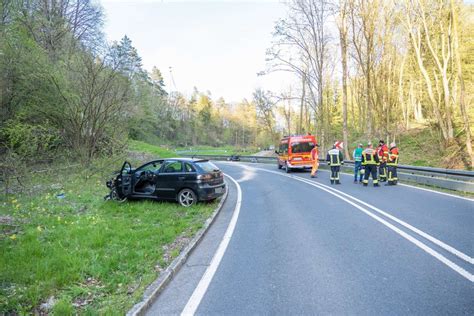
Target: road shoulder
(156, 288)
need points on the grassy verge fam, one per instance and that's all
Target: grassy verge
(59, 238)
(209, 150)
(161, 152)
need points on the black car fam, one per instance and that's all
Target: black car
(184, 180)
(234, 158)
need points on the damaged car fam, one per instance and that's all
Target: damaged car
(184, 180)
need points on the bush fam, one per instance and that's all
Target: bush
(29, 140)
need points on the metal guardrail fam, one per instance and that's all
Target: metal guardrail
(457, 180)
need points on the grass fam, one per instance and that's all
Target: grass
(60, 239)
(224, 150)
(420, 146)
(161, 152)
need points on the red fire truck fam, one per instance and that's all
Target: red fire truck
(294, 152)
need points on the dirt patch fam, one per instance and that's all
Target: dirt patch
(171, 250)
(93, 287)
(9, 226)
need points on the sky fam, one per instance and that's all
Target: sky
(216, 46)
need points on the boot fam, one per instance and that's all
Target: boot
(376, 185)
(332, 181)
(337, 182)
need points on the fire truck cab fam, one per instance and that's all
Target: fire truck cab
(294, 152)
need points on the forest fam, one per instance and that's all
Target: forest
(365, 69)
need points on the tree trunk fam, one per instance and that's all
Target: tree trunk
(303, 96)
(462, 100)
(343, 41)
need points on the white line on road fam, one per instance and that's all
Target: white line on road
(438, 242)
(439, 192)
(413, 240)
(418, 188)
(200, 290)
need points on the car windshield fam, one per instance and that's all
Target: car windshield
(207, 166)
(303, 147)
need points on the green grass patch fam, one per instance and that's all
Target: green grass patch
(158, 151)
(209, 150)
(60, 239)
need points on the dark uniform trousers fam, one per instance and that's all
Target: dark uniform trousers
(370, 169)
(383, 171)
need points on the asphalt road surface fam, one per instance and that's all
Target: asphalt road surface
(292, 245)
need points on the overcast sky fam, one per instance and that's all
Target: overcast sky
(214, 45)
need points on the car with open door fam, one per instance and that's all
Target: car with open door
(184, 180)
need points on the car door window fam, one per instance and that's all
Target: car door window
(172, 167)
(152, 166)
(189, 168)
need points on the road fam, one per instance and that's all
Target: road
(302, 246)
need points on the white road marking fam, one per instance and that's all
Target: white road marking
(438, 242)
(200, 290)
(439, 192)
(419, 188)
(413, 240)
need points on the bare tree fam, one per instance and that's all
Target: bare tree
(462, 94)
(300, 46)
(342, 26)
(265, 114)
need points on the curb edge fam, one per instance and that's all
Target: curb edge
(155, 288)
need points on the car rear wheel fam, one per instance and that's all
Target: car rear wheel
(187, 197)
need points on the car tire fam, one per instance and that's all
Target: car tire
(187, 197)
(115, 196)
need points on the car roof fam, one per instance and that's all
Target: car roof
(188, 159)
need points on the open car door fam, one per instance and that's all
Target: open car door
(124, 180)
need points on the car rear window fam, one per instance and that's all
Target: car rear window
(207, 166)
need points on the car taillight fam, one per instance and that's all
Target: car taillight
(204, 177)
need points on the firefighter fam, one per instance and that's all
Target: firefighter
(370, 161)
(315, 160)
(382, 152)
(392, 164)
(335, 160)
(357, 155)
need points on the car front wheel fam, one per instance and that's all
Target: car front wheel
(187, 197)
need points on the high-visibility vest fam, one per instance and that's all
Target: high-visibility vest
(382, 152)
(334, 157)
(368, 157)
(357, 154)
(393, 157)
